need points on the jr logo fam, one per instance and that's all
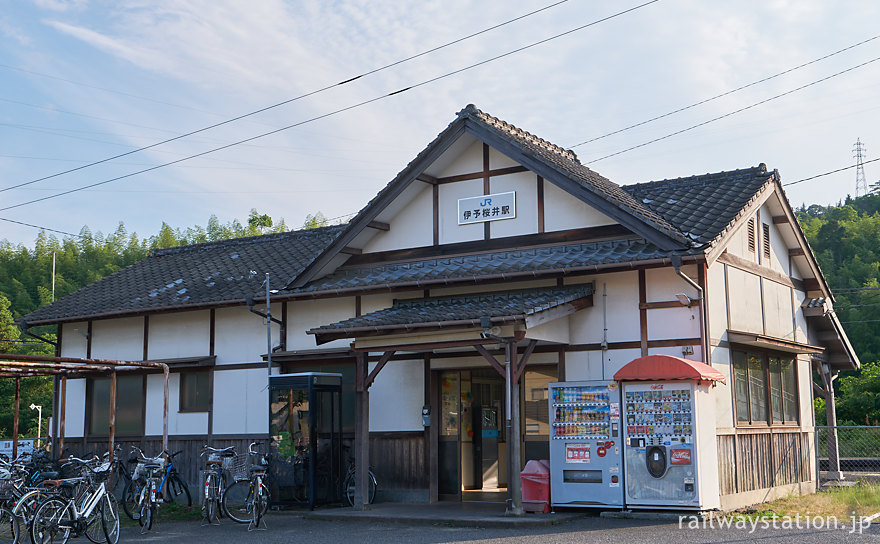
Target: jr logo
(486, 202)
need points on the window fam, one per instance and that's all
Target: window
(751, 230)
(195, 393)
(766, 388)
(129, 406)
(344, 367)
(766, 239)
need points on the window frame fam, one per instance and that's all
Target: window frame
(769, 420)
(182, 390)
(90, 401)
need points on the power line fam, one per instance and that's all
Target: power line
(740, 110)
(752, 84)
(290, 100)
(39, 227)
(318, 117)
(828, 173)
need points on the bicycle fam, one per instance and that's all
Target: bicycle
(92, 504)
(247, 499)
(170, 488)
(214, 481)
(348, 484)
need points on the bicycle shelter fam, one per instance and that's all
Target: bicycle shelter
(305, 429)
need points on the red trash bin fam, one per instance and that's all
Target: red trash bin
(535, 479)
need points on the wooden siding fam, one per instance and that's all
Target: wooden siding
(752, 461)
(398, 460)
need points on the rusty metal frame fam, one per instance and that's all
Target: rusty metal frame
(22, 366)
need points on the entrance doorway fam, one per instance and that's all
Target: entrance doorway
(472, 448)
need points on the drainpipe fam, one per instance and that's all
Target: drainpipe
(704, 321)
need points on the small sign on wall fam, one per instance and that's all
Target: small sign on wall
(479, 209)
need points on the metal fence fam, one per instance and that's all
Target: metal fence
(858, 452)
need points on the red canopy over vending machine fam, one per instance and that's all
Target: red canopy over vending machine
(670, 453)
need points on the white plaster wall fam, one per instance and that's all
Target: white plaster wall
(73, 339)
(240, 336)
(723, 393)
(184, 334)
(662, 284)
(777, 309)
(739, 241)
(623, 311)
(498, 160)
(583, 365)
(397, 396)
(413, 226)
(745, 301)
(241, 401)
(121, 339)
(672, 323)
(615, 359)
(717, 291)
(178, 423)
(562, 211)
(449, 193)
(468, 162)
(778, 250)
(526, 220)
(303, 315)
(800, 319)
(556, 331)
(75, 408)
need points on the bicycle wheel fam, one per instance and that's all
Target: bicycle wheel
(52, 522)
(110, 519)
(10, 529)
(260, 505)
(178, 491)
(94, 530)
(237, 501)
(373, 485)
(130, 499)
(348, 488)
(210, 492)
(148, 512)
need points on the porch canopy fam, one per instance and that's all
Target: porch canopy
(465, 321)
(24, 366)
(667, 368)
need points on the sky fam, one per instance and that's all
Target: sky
(85, 80)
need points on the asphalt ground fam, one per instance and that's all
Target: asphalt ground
(283, 527)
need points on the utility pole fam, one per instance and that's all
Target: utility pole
(859, 153)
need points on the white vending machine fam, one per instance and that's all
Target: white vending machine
(585, 444)
(670, 450)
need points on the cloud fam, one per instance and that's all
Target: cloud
(14, 32)
(61, 5)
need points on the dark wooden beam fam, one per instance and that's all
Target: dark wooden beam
(351, 251)
(521, 365)
(643, 314)
(780, 219)
(540, 204)
(812, 284)
(796, 252)
(427, 178)
(15, 408)
(666, 304)
(491, 360)
(378, 368)
(479, 175)
(378, 225)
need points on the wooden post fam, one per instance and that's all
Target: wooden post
(834, 472)
(15, 418)
(165, 373)
(62, 405)
(112, 435)
(361, 435)
(514, 503)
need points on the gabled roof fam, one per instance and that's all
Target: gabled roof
(703, 207)
(456, 310)
(212, 273)
(553, 163)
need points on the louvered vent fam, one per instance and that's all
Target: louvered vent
(766, 240)
(752, 235)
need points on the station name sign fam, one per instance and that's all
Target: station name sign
(479, 209)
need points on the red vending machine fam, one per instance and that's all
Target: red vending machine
(670, 452)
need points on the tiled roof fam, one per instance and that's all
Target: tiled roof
(192, 275)
(486, 264)
(702, 207)
(502, 306)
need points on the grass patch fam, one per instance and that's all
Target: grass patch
(843, 502)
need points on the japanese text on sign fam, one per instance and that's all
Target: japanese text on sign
(479, 209)
(577, 453)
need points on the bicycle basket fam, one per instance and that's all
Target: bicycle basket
(236, 467)
(99, 474)
(7, 491)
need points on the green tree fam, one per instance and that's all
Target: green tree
(258, 221)
(315, 221)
